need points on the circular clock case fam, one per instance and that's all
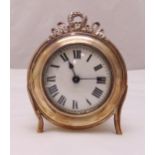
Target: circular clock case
(77, 79)
(68, 99)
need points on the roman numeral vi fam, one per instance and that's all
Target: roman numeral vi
(75, 105)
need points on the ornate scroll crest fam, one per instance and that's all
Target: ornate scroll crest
(77, 22)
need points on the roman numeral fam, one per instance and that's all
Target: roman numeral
(51, 78)
(53, 90)
(64, 57)
(75, 105)
(89, 57)
(55, 66)
(97, 92)
(96, 68)
(77, 54)
(62, 100)
(101, 80)
(88, 102)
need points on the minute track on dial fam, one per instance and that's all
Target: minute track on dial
(79, 85)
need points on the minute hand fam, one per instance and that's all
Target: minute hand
(88, 78)
(99, 79)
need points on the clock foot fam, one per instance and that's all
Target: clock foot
(40, 127)
(38, 114)
(117, 121)
(117, 115)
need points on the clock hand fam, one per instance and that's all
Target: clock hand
(98, 78)
(71, 66)
(76, 78)
(88, 78)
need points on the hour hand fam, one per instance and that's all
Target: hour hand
(71, 66)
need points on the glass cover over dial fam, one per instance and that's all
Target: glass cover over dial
(77, 79)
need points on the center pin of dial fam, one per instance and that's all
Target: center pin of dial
(76, 79)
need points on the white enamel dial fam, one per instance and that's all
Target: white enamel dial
(77, 79)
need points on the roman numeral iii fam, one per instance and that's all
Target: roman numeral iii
(101, 80)
(97, 92)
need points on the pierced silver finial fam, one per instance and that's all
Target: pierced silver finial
(77, 22)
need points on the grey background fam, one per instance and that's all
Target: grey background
(122, 20)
